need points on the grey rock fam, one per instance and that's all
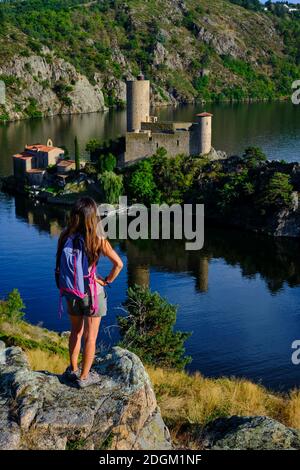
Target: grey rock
(249, 433)
(217, 155)
(38, 78)
(64, 334)
(41, 411)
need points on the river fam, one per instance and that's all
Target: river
(239, 296)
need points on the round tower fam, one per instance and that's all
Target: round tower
(205, 130)
(138, 103)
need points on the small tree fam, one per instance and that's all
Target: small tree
(254, 156)
(107, 162)
(278, 191)
(12, 307)
(142, 186)
(77, 154)
(112, 186)
(148, 330)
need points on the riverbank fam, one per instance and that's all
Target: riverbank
(187, 401)
(247, 192)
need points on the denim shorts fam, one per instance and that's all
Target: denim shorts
(83, 307)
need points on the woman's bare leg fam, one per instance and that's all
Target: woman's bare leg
(91, 329)
(77, 325)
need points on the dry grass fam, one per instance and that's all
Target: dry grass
(188, 401)
(42, 360)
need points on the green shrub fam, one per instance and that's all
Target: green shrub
(32, 110)
(148, 330)
(254, 156)
(107, 162)
(142, 186)
(12, 308)
(112, 186)
(278, 191)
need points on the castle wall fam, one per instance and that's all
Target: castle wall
(138, 104)
(165, 126)
(144, 144)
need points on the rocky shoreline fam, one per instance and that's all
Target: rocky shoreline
(41, 411)
(246, 212)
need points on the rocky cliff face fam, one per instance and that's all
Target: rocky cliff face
(191, 50)
(48, 85)
(40, 411)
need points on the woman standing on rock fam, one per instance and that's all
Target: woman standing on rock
(78, 252)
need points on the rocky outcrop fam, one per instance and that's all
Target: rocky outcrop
(41, 411)
(249, 433)
(172, 41)
(54, 85)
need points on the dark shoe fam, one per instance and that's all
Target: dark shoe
(71, 375)
(92, 379)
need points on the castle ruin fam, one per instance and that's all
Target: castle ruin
(145, 134)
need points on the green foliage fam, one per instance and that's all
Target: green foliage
(201, 85)
(32, 110)
(12, 308)
(88, 38)
(257, 86)
(4, 116)
(254, 156)
(90, 169)
(161, 179)
(142, 186)
(248, 4)
(235, 188)
(174, 176)
(62, 89)
(278, 191)
(148, 330)
(109, 148)
(107, 163)
(77, 154)
(112, 186)
(10, 81)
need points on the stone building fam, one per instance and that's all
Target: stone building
(32, 163)
(145, 134)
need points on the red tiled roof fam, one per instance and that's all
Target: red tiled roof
(41, 148)
(204, 114)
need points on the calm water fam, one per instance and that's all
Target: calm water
(239, 296)
(273, 126)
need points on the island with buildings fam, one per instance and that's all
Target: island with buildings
(145, 133)
(32, 164)
(43, 168)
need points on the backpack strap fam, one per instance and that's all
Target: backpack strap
(93, 288)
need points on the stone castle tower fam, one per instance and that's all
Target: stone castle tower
(145, 134)
(138, 103)
(204, 121)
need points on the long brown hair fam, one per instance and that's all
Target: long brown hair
(83, 220)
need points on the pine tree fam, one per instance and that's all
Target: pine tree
(148, 330)
(77, 154)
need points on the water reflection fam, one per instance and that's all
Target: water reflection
(276, 261)
(273, 126)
